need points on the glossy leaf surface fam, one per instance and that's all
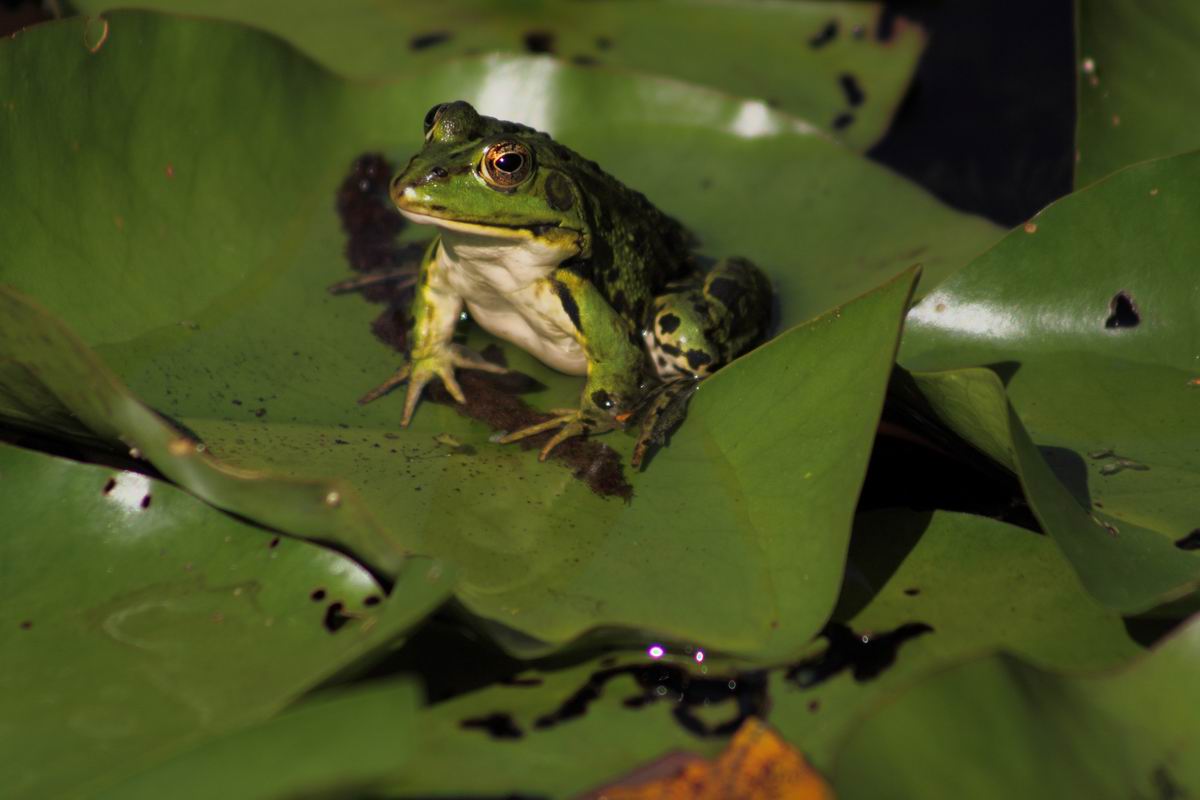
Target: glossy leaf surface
(1089, 317)
(138, 621)
(842, 65)
(1000, 728)
(203, 238)
(1139, 83)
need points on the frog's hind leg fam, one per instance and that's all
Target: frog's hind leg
(707, 321)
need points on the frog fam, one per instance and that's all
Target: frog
(544, 249)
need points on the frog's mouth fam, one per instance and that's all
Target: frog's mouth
(534, 231)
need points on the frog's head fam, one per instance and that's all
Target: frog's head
(485, 176)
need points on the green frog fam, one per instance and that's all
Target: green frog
(549, 252)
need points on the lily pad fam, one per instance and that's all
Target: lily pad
(922, 593)
(304, 752)
(1088, 314)
(138, 622)
(1001, 728)
(203, 234)
(1139, 83)
(843, 65)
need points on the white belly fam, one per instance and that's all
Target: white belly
(501, 282)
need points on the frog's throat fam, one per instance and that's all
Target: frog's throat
(535, 231)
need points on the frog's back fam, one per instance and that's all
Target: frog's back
(635, 249)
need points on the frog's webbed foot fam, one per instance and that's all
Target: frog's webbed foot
(403, 277)
(664, 411)
(422, 370)
(570, 422)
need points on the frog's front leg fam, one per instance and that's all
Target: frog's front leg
(435, 311)
(615, 362)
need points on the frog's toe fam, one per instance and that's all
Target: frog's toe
(573, 428)
(467, 358)
(399, 377)
(533, 430)
(446, 373)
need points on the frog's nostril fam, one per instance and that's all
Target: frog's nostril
(437, 172)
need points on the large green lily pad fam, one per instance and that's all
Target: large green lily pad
(1001, 728)
(202, 236)
(1139, 83)
(1089, 316)
(137, 621)
(842, 65)
(979, 585)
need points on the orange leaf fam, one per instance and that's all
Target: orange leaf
(757, 765)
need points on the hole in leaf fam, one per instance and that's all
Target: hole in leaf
(498, 726)
(865, 655)
(854, 93)
(912, 591)
(145, 501)
(1122, 312)
(109, 486)
(335, 617)
(541, 42)
(825, 36)
(1189, 542)
(424, 40)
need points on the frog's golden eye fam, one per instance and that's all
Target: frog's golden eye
(431, 117)
(506, 164)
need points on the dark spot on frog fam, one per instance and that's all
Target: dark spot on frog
(274, 543)
(335, 617)
(558, 192)
(145, 501)
(668, 323)
(697, 359)
(620, 304)
(669, 349)
(424, 40)
(865, 655)
(912, 591)
(539, 42)
(843, 121)
(317, 595)
(825, 35)
(724, 290)
(498, 726)
(26, 625)
(109, 485)
(854, 93)
(1123, 313)
(1189, 542)
(602, 399)
(603, 43)
(568, 303)
(662, 362)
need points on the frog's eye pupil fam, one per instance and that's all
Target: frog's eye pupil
(510, 162)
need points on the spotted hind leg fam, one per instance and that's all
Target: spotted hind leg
(707, 321)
